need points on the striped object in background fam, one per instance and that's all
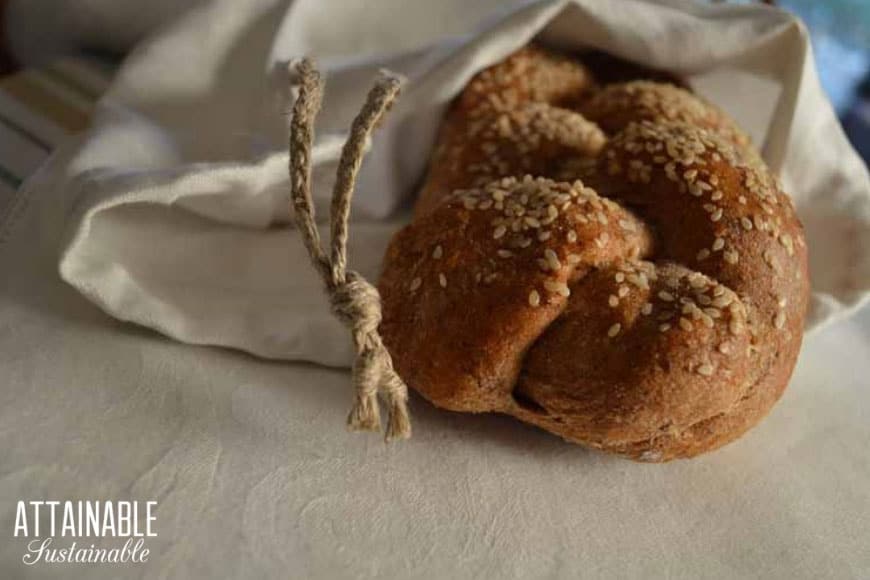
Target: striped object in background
(39, 109)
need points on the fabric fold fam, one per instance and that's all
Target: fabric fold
(181, 213)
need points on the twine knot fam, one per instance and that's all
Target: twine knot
(355, 302)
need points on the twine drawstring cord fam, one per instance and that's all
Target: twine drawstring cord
(354, 301)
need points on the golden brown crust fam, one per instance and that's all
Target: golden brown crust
(469, 287)
(648, 302)
(508, 122)
(616, 106)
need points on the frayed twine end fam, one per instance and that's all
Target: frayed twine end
(365, 414)
(399, 423)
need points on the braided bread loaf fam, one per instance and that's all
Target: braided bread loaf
(612, 263)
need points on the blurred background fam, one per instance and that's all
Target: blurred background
(840, 31)
(58, 56)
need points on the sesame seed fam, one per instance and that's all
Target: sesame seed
(703, 254)
(614, 330)
(705, 369)
(779, 319)
(696, 280)
(613, 301)
(437, 252)
(741, 200)
(534, 298)
(619, 277)
(723, 300)
(626, 225)
(573, 259)
(716, 215)
(499, 232)
(759, 223)
(664, 327)
(718, 244)
(572, 236)
(685, 324)
(666, 296)
(735, 327)
(731, 256)
(725, 348)
(552, 259)
(646, 309)
(557, 287)
(442, 280)
(415, 283)
(544, 236)
(504, 253)
(746, 223)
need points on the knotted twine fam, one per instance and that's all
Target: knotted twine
(354, 301)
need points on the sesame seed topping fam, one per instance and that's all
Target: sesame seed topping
(552, 259)
(626, 225)
(664, 327)
(437, 252)
(718, 244)
(735, 327)
(499, 232)
(572, 236)
(685, 324)
(614, 330)
(415, 283)
(703, 254)
(646, 309)
(779, 319)
(613, 301)
(731, 256)
(666, 296)
(787, 243)
(442, 280)
(746, 223)
(534, 298)
(557, 287)
(705, 369)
